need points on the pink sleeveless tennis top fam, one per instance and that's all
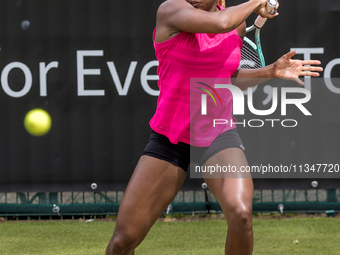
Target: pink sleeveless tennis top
(186, 61)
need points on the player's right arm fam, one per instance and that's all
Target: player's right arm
(174, 16)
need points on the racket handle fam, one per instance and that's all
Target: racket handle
(270, 7)
(259, 22)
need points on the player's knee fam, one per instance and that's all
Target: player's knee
(241, 219)
(120, 244)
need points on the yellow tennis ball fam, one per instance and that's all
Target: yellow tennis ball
(37, 122)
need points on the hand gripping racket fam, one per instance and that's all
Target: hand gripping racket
(251, 52)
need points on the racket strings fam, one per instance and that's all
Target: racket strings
(249, 57)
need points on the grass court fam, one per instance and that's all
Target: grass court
(318, 235)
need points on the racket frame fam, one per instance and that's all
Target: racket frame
(259, 22)
(257, 45)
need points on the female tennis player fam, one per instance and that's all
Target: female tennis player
(192, 39)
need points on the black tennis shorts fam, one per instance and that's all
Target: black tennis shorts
(183, 154)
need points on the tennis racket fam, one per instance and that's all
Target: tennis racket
(251, 52)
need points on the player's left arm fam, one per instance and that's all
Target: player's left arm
(284, 68)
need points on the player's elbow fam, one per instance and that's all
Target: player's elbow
(225, 25)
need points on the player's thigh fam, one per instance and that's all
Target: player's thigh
(152, 187)
(232, 188)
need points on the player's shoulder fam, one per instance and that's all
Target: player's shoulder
(169, 7)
